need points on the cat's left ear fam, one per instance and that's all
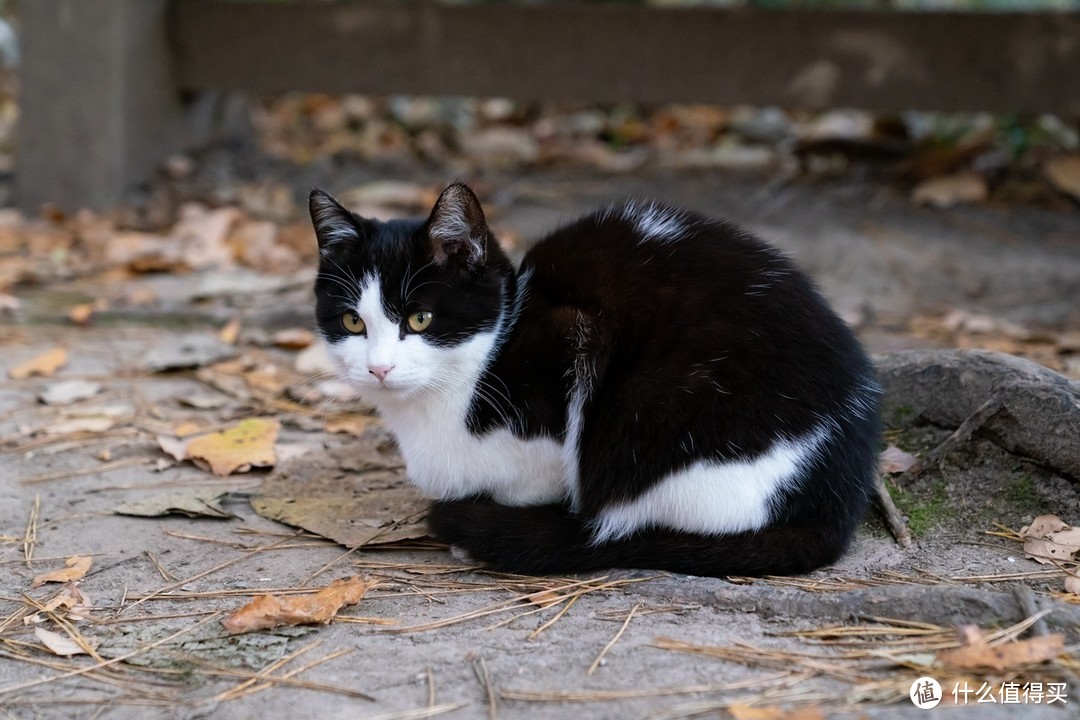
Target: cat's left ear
(457, 228)
(334, 225)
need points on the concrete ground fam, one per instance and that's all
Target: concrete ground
(679, 646)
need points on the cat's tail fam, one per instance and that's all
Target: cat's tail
(549, 539)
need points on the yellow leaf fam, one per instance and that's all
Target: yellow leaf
(249, 443)
(270, 611)
(231, 332)
(76, 567)
(45, 364)
(349, 423)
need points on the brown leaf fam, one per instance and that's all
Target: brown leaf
(270, 611)
(75, 568)
(1064, 174)
(1048, 538)
(945, 192)
(70, 597)
(894, 460)
(230, 333)
(45, 364)
(293, 338)
(1043, 525)
(1008, 655)
(249, 443)
(350, 423)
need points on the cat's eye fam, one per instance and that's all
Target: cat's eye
(352, 323)
(419, 321)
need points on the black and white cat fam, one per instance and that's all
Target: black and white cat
(651, 389)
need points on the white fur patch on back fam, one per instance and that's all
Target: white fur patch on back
(655, 222)
(713, 498)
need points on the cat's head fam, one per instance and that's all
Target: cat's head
(409, 306)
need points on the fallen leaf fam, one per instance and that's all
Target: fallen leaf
(230, 333)
(204, 402)
(187, 429)
(188, 351)
(174, 447)
(45, 364)
(70, 597)
(976, 653)
(59, 644)
(68, 392)
(1063, 172)
(894, 460)
(91, 424)
(74, 568)
(945, 192)
(82, 314)
(1043, 526)
(380, 507)
(270, 611)
(1072, 584)
(350, 423)
(1050, 539)
(293, 338)
(190, 502)
(249, 443)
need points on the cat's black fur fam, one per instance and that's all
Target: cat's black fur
(704, 345)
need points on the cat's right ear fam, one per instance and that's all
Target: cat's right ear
(334, 225)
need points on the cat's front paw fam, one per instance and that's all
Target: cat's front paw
(462, 555)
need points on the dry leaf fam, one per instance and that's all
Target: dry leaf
(187, 429)
(71, 391)
(190, 502)
(894, 460)
(1072, 584)
(976, 653)
(293, 339)
(772, 712)
(59, 644)
(82, 314)
(1064, 174)
(270, 611)
(45, 364)
(350, 423)
(249, 443)
(70, 597)
(74, 568)
(231, 332)
(91, 424)
(945, 192)
(1048, 538)
(173, 447)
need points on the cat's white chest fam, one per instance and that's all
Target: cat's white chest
(446, 461)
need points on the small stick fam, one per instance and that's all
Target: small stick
(430, 687)
(893, 518)
(612, 641)
(485, 680)
(30, 536)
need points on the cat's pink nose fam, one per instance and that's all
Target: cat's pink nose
(380, 371)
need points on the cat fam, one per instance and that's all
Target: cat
(650, 389)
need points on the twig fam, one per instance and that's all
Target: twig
(417, 714)
(485, 680)
(30, 536)
(891, 513)
(430, 687)
(612, 641)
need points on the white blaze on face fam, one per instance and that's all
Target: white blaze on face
(412, 361)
